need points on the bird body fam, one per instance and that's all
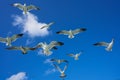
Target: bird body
(25, 8)
(71, 33)
(47, 47)
(9, 40)
(75, 56)
(62, 72)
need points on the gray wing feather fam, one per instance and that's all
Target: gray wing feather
(55, 43)
(57, 67)
(71, 55)
(32, 7)
(63, 32)
(3, 40)
(101, 44)
(14, 37)
(18, 5)
(76, 31)
(13, 48)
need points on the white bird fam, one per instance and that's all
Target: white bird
(25, 8)
(107, 45)
(9, 40)
(23, 49)
(75, 56)
(47, 47)
(62, 75)
(59, 61)
(47, 25)
(71, 33)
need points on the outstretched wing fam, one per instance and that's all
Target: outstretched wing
(55, 43)
(101, 44)
(3, 40)
(62, 60)
(29, 48)
(32, 7)
(71, 55)
(13, 48)
(65, 67)
(63, 32)
(18, 5)
(47, 25)
(14, 37)
(58, 68)
(39, 45)
(76, 31)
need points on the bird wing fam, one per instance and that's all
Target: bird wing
(71, 55)
(54, 60)
(65, 67)
(63, 32)
(64, 61)
(55, 43)
(13, 48)
(14, 37)
(2, 39)
(76, 31)
(29, 48)
(32, 7)
(18, 5)
(39, 45)
(47, 25)
(101, 44)
(57, 67)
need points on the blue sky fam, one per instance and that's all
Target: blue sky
(100, 17)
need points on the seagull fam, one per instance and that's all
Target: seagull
(71, 33)
(47, 25)
(47, 47)
(63, 75)
(75, 56)
(107, 45)
(23, 49)
(9, 40)
(25, 8)
(59, 61)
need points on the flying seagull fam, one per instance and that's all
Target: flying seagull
(47, 25)
(59, 61)
(47, 47)
(23, 49)
(9, 40)
(62, 75)
(25, 8)
(107, 45)
(71, 33)
(75, 56)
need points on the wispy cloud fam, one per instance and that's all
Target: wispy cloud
(29, 24)
(18, 76)
(50, 71)
(48, 61)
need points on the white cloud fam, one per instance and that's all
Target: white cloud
(18, 76)
(30, 25)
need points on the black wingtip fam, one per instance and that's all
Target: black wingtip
(58, 32)
(20, 34)
(83, 29)
(95, 44)
(55, 48)
(61, 43)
